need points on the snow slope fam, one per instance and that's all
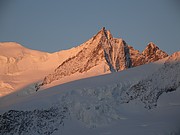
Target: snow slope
(22, 67)
(108, 104)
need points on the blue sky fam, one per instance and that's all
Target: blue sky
(53, 25)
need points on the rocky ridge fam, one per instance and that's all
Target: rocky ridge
(113, 54)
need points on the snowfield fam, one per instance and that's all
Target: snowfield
(22, 67)
(144, 100)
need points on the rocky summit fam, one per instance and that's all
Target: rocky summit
(106, 54)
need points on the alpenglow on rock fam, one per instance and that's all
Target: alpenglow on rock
(150, 54)
(106, 54)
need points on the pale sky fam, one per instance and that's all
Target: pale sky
(53, 25)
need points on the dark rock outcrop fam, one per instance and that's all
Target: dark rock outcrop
(41, 122)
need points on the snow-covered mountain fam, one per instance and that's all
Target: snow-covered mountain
(140, 100)
(104, 54)
(23, 68)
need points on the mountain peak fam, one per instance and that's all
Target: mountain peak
(150, 49)
(103, 53)
(151, 45)
(103, 29)
(153, 53)
(104, 32)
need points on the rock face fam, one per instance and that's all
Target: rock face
(112, 54)
(153, 53)
(150, 54)
(102, 49)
